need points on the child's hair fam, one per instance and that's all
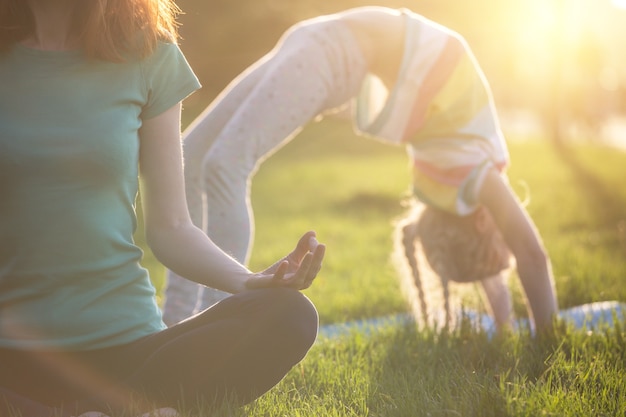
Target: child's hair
(454, 248)
(108, 29)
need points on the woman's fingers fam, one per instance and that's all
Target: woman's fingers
(297, 270)
(313, 243)
(309, 268)
(307, 243)
(316, 265)
(281, 270)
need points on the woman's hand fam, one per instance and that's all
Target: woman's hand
(296, 270)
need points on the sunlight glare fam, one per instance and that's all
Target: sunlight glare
(619, 3)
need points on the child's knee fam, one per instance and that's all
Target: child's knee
(222, 171)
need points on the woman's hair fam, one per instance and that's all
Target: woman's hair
(108, 29)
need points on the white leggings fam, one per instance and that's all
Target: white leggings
(315, 67)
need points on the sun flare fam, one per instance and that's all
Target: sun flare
(619, 3)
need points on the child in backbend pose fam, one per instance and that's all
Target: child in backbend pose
(413, 83)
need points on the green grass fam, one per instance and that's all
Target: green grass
(349, 190)
(349, 193)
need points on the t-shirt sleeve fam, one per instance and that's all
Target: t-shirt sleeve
(168, 79)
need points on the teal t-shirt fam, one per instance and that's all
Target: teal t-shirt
(70, 274)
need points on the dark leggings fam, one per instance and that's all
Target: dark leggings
(239, 348)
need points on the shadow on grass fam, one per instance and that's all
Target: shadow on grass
(363, 203)
(457, 373)
(610, 209)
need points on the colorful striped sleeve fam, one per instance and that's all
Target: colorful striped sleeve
(441, 105)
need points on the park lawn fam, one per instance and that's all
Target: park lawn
(349, 190)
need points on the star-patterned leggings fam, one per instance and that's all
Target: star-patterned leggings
(315, 68)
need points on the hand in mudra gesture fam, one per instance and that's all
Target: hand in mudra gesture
(296, 270)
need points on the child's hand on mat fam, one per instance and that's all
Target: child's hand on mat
(296, 270)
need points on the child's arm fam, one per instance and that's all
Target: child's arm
(522, 237)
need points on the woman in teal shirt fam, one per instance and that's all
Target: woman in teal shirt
(89, 109)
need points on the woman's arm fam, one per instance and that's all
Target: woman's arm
(522, 238)
(184, 248)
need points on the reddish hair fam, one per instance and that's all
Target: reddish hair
(108, 29)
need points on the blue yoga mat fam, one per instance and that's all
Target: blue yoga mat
(587, 316)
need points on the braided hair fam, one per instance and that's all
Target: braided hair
(453, 247)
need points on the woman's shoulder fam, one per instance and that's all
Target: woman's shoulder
(164, 52)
